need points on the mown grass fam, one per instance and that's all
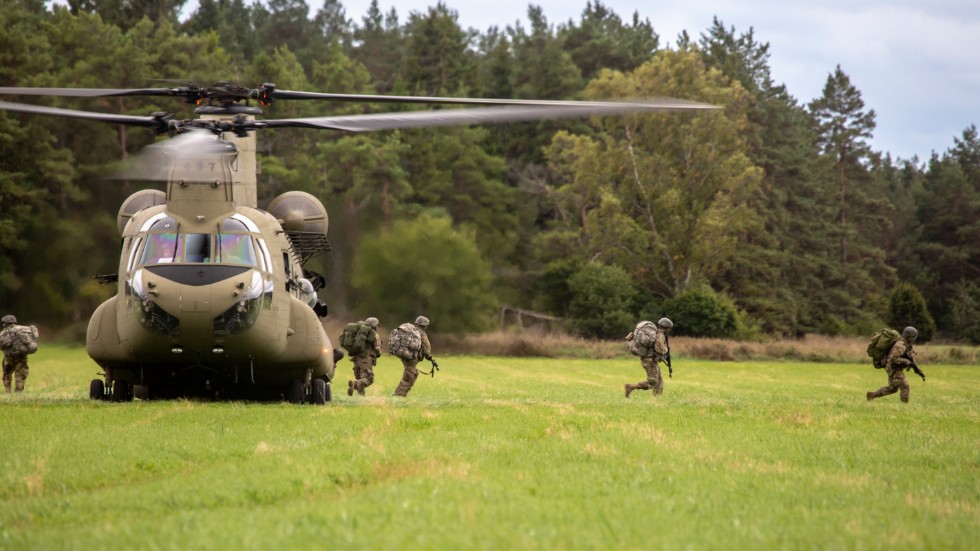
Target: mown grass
(502, 454)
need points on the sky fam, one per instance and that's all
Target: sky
(916, 63)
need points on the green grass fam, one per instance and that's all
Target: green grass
(502, 454)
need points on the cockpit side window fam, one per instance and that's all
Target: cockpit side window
(160, 248)
(235, 249)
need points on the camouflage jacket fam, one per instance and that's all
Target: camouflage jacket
(896, 356)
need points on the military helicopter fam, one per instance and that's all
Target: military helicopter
(212, 299)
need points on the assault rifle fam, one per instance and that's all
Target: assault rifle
(670, 370)
(435, 367)
(914, 366)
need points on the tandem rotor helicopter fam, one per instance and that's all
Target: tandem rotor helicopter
(212, 299)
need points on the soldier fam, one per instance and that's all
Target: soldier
(655, 380)
(411, 372)
(15, 351)
(899, 359)
(365, 360)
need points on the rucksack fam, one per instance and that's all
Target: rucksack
(405, 341)
(23, 340)
(644, 336)
(881, 343)
(356, 337)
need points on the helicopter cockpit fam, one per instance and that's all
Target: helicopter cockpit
(235, 241)
(162, 250)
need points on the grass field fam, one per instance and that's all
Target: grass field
(502, 454)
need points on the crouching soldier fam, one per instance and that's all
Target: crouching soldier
(649, 342)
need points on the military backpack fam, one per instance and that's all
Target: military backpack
(357, 337)
(21, 340)
(644, 336)
(405, 341)
(881, 343)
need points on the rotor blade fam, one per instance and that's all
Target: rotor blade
(86, 92)
(486, 115)
(369, 98)
(154, 122)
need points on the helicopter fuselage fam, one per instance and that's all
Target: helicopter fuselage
(210, 298)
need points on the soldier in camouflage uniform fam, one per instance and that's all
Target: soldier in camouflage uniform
(411, 372)
(14, 362)
(364, 362)
(896, 364)
(650, 363)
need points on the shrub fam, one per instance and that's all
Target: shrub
(702, 312)
(602, 300)
(907, 307)
(964, 312)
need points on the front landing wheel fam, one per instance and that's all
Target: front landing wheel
(96, 390)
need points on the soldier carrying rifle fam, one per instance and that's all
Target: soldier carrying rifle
(899, 359)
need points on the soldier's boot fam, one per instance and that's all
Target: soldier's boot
(360, 389)
(6, 388)
(350, 388)
(628, 389)
(871, 396)
(19, 387)
(904, 397)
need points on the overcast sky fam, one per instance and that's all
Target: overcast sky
(915, 62)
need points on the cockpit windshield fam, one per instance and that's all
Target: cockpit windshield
(221, 247)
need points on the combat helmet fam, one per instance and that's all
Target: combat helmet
(422, 321)
(665, 323)
(910, 333)
(372, 322)
(9, 320)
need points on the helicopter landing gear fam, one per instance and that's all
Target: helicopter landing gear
(96, 390)
(297, 392)
(321, 392)
(121, 391)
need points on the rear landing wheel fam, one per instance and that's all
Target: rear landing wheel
(321, 392)
(297, 392)
(96, 390)
(121, 391)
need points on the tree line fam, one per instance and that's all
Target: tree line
(767, 217)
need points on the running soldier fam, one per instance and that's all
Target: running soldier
(16, 341)
(900, 359)
(364, 348)
(411, 372)
(650, 356)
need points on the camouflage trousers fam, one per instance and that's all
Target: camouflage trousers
(363, 372)
(14, 367)
(654, 380)
(409, 377)
(896, 383)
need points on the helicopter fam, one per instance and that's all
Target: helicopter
(212, 299)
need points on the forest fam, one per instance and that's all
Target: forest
(770, 217)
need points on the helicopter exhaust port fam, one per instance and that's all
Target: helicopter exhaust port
(177, 350)
(218, 350)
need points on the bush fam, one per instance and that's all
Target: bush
(907, 307)
(702, 312)
(964, 312)
(602, 300)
